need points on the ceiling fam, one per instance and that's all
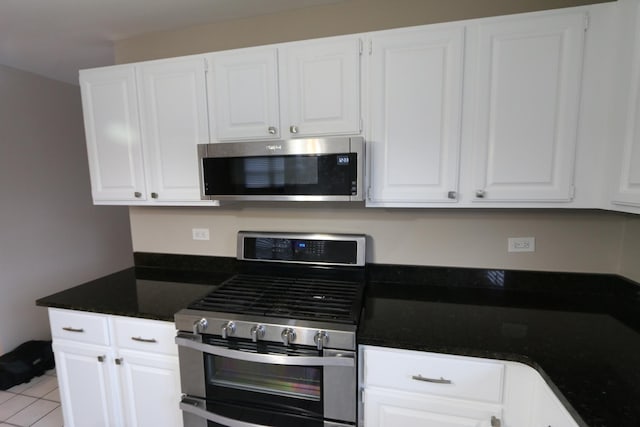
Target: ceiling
(56, 38)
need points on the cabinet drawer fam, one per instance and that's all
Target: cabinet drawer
(145, 335)
(79, 326)
(443, 375)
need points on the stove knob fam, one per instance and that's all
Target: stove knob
(199, 325)
(321, 338)
(288, 335)
(228, 329)
(257, 333)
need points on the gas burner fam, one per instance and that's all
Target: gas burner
(295, 298)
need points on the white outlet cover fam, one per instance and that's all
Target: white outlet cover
(200, 233)
(521, 244)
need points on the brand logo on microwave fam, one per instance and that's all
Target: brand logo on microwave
(274, 147)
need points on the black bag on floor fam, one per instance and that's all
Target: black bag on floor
(28, 360)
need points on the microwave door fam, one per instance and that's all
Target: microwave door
(322, 177)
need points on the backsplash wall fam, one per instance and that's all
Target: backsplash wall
(586, 241)
(630, 259)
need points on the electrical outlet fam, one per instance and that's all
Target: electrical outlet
(521, 244)
(200, 233)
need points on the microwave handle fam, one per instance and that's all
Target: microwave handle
(195, 406)
(190, 341)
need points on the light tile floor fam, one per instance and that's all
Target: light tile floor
(32, 404)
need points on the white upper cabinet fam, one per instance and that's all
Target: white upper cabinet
(321, 85)
(415, 101)
(626, 167)
(292, 90)
(112, 128)
(524, 92)
(245, 94)
(173, 104)
(143, 122)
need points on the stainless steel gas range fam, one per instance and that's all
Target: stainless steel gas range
(275, 345)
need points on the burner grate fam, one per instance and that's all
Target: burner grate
(290, 297)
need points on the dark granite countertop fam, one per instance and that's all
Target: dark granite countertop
(580, 331)
(156, 288)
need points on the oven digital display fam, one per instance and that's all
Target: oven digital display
(307, 250)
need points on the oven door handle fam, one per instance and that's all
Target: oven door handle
(195, 406)
(337, 359)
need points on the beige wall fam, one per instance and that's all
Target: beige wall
(588, 241)
(350, 16)
(51, 235)
(630, 260)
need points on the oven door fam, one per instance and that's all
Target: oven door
(237, 383)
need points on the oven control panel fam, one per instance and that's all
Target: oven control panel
(331, 249)
(320, 337)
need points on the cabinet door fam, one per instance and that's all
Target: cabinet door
(150, 389)
(548, 411)
(85, 377)
(245, 94)
(110, 108)
(415, 96)
(174, 120)
(526, 77)
(322, 83)
(391, 408)
(628, 189)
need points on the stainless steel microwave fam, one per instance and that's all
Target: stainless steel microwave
(314, 169)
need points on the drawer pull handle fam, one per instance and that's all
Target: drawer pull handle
(431, 380)
(70, 329)
(140, 339)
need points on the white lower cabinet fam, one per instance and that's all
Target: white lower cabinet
(116, 371)
(412, 388)
(385, 407)
(418, 389)
(85, 384)
(148, 385)
(548, 411)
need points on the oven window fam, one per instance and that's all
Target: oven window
(301, 382)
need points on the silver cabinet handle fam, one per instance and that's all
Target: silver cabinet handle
(293, 129)
(275, 359)
(480, 194)
(197, 408)
(495, 422)
(137, 194)
(452, 195)
(70, 329)
(430, 380)
(154, 195)
(101, 359)
(118, 361)
(272, 130)
(140, 339)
